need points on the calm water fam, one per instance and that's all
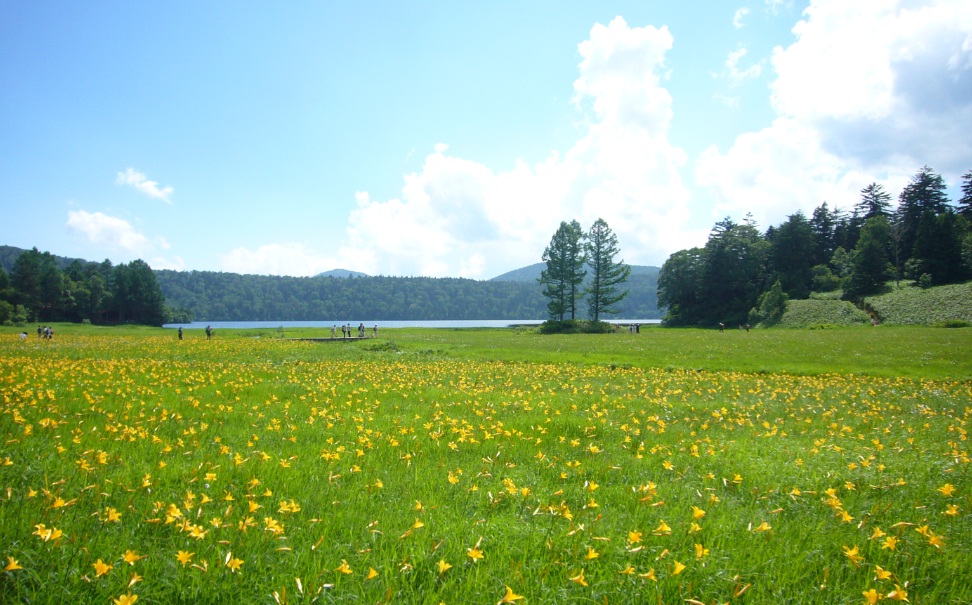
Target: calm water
(446, 323)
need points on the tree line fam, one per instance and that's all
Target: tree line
(742, 275)
(40, 287)
(566, 280)
(75, 290)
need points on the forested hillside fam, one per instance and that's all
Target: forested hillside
(743, 275)
(214, 296)
(73, 293)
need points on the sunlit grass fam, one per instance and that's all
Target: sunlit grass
(440, 469)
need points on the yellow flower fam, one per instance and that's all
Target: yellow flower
(126, 599)
(131, 557)
(344, 567)
(443, 566)
(854, 555)
(764, 526)
(649, 575)
(679, 568)
(951, 510)
(871, 597)
(509, 597)
(184, 557)
(898, 594)
(881, 574)
(101, 568)
(877, 534)
(12, 564)
(579, 579)
(591, 554)
(890, 543)
(112, 515)
(947, 490)
(700, 551)
(634, 537)
(372, 574)
(663, 529)
(234, 564)
(627, 571)
(697, 513)
(474, 553)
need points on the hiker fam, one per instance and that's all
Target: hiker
(374, 331)
(722, 327)
(209, 332)
(180, 332)
(333, 330)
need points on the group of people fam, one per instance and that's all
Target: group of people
(209, 332)
(347, 331)
(45, 332)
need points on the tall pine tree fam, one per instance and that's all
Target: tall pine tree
(564, 274)
(607, 275)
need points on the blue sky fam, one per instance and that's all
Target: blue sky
(450, 139)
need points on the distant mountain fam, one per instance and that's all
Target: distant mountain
(528, 273)
(532, 273)
(642, 286)
(341, 273)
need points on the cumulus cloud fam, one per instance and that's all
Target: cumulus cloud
(459, 217)
(141, 182)
(112, 232)
(737, 75)
(277, 259)
(776, 6)
(853, 108)
(118, 235)
(737, 19)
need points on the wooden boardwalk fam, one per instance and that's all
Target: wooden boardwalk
(330, 339)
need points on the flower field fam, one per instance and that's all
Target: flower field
(265, 471)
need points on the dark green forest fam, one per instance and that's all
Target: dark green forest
(743, 275)
(39, 286)
(214, 296)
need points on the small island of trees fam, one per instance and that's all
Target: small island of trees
(565, 279)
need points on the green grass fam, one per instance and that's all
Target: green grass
(914, 306)
(814, 313)
(550, 454)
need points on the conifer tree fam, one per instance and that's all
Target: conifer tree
(564, 274)
(604, 289)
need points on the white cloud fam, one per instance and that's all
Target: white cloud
(776, 6)
(736, 75)
(159, 262)
(140, 182)
(459, 217)
(277, 259)
(853, 108)
(120, 236)
(737, 19)
(109, 231)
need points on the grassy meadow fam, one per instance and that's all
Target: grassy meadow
(486, 466)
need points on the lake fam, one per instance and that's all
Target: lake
(444, 323)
